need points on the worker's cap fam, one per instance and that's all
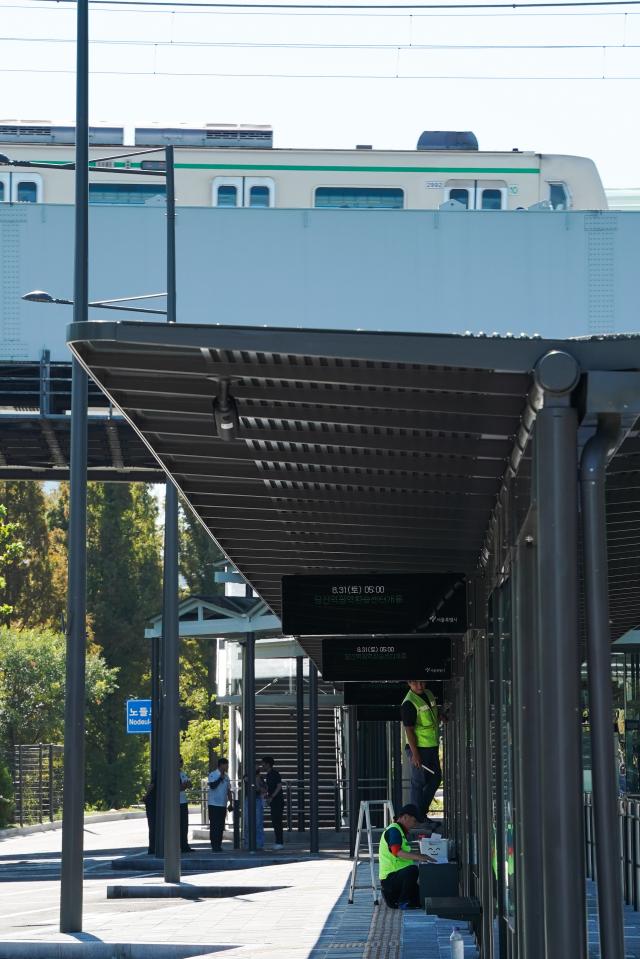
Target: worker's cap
(409, 810)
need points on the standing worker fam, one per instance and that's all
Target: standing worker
(397, 863)
(420, 719)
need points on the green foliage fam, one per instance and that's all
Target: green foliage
(123, 591)
(199, 746)
(32, 681)
(11, 550)
(30, 587)
(198, 557)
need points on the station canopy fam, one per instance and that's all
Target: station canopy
(354, 451)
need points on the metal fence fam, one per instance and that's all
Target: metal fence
(37, 782)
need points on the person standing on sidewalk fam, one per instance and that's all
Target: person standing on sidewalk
(219, 799)
(275, 798)
(420, 719)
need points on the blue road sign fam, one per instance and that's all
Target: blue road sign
(138, 715)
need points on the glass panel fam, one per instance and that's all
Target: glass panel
(462, 196)
(27, 192)
(127, 194)
(632, 722)
(259, 196)
(491, 199)
(1, 191)
(558, 196)
(360, 198)
(227, 195)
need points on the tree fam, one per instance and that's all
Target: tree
(10, 550)
(199, 555)
(123, 591)
(30, 589)
(32, 681)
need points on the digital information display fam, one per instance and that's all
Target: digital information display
(388, 604)
(382, 694)
(411, 657)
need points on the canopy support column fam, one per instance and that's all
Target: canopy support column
(314, 838)
(560, 760)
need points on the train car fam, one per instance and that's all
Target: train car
(228, 165)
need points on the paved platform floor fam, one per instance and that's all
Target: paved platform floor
(297, 908)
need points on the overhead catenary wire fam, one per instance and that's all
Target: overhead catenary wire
(324, 76)
(332, 46)
(354, 7)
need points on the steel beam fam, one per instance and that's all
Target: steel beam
(558, 651)
(527, 753)
(249, 759)
(71, 868)
(595, 457)
(314, 834)
(300, 738)
(170, 727)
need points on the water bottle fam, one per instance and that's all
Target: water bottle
(457, 945)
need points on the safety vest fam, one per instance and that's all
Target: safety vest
(389, 863)
(427, 718)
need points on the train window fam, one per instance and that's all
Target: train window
(491, 199)
(359, 198)
(227, 195)
(259, 191)
(26, 188)
(462, 196)
(559, 196)
(259, 196)
(27, 192)
(227, 191)
(127, 194)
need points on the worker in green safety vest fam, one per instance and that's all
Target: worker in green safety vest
(421, 721)
(397, 863)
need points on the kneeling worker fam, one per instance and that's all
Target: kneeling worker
(398, 872)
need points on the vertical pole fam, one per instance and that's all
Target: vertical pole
(171, 645)
(353, 778)
(40, 782)
(483, 767)
(596, 591)
(396, 760)
(170, 696)
(558, 650)
(160, 751)
(527, 754)
(233, 745)
(51, 799)
(71, 867)
(249, 737)
(155, 707)
(300, 738)
(314, 835)
(498, 692)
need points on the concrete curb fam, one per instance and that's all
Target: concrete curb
(169, 890)
(107, 950)
(14, 831)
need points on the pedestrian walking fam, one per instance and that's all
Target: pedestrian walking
(275, 799)
(219, 800)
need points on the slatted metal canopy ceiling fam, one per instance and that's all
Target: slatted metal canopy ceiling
(35, 429)
(355, 451)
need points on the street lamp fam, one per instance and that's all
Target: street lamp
(41, 296)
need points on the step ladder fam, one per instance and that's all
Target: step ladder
(364, 822)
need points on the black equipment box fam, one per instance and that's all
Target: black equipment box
(437, 880)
